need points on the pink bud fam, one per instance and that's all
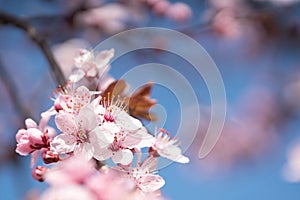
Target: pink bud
(38, 173)
(57, 105)
(179, 12)
(50, 157)
(23, 146)
(36, 138)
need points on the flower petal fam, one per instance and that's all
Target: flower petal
(63, 143)
(30, 123)
(123, 157)
(65, 122)
(150, 182)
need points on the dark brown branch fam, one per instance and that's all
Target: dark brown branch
(9, 19)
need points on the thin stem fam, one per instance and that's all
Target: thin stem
(9, 19)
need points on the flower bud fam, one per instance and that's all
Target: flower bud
(50, 157)
(39, 172)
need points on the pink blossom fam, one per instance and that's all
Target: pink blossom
(89, 66)
(70, 100)
(71, 171)
(38, 173)
(31, 139)
(74, 192)
(143, 175)
(179, 12)
(168, 148)
(291, 171)
(161, 7)
(110, 185)
(110, 17)
(124, 133)
(65, 52)
(76, 132)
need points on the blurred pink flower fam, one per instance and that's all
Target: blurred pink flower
(73, 170)
(74, 192)
(249, 132)
(90, 66)
(281, 2)
(109, 18)
(110, 186)
(160, 7)
(179, 12)
(291, 171)
(143, 175)
(65, 52)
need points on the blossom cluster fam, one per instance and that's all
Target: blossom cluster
(95, 128)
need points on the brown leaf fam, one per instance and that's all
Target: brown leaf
(116, 88)
(140, 103)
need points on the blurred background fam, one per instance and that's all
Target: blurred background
(254, 43)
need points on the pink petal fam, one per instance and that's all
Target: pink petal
(34, 158)
(35, 136)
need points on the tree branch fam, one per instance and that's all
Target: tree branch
(9, 19)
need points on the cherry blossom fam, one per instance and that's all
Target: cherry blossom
(73, 170)
(143, 175)
(70, 100)
(34, 138)
(125, 133)
(89, 66)
(76, 131)
(167, 147)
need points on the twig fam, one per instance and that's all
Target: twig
(9, 19)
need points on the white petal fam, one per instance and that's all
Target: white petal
(86, 119)
(101, 136)
(82, 97)
(66, 122)
(149, 164)
(123, 157)
(30, 123)
(102, 153)
(104, 57)
(151, 183)
(76, 75)
(125, 121)
(173, 153)
(92, 72)
(147, 140)
(51, 111)
(84, 149)
(63, 143)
